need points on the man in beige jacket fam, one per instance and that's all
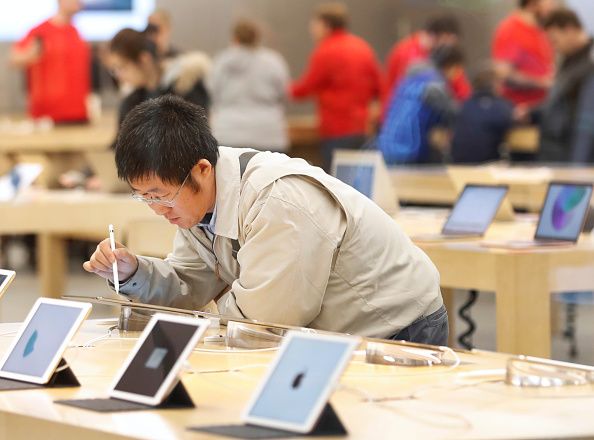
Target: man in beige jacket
(266, 236)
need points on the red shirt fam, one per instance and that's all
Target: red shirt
(59, 81)
(410, 51)
(527, 49)
(344, 75)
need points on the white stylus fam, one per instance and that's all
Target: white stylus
(116, 280)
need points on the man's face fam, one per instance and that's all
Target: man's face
(446, 40)
(318, 29)
(162, 35)
(563, 40)
(542, 8)
(70, 7)
(190, 206)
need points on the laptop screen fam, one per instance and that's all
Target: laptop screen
(475, 210)
(43, 337)
(299, 380)
(156, 358)
(359, 177)
(564, 211)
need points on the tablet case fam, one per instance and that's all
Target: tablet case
(328, 424)
(61, 378)
(177, 399)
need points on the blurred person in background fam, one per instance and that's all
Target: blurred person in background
(417, 47)
(344, 76)
(248, 86)
(136, 64)
(58, 67)
(523, 55)
(483, 121)
(158, 30)
(422, 102)
(567, 116)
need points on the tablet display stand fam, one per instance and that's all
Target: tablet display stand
(328, 424)
(179, 398)
(63, 377)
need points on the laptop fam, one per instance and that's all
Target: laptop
(472, 213)
(561, 219)
(103, 165)
(6, 278)
(152, 368)
(365, 170)
(42, 340)
(461, 175)
(299, 382)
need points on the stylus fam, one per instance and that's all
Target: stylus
(116, 280)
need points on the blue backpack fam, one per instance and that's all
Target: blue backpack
(404, 136)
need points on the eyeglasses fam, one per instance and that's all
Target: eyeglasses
(170, 203)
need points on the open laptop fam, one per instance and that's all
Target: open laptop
(41, 341)
(462, 175)
(6, 278)
(561, 219)
(103, 165)
(365, 170)
(152, 368)
(472, 213)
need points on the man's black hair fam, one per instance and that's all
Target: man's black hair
(164, 137)
(525, 3)
(444, 25)
(562, 19)
(447, 56)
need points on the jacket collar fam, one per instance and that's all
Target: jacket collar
(228, 188)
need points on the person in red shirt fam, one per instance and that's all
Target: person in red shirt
(344, 76)
(57, 62)
(439, 31)
(523, 55)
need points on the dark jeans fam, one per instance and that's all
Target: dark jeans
(353, 142)
(432, 329)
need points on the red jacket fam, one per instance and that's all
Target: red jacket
(526, 47)
(344, 75)
(410, 51)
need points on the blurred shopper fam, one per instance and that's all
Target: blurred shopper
(57, 63)
(523, 54)
(421, 103)
(158, 30)
(567, 116)
(483, 121)
(136, 64)
(439, 31)
(248, 86)
(344, 76)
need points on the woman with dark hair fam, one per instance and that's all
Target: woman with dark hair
(135, 63)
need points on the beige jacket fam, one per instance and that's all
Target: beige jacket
(314, 252)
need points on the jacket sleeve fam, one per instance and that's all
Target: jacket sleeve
(287, 255)
(181, 280)
(582, 150)
(314, 78)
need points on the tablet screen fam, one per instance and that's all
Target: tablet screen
(43, 337)
(475, 210)
(155, 358)
(2, 279)
(359, 177)
(564, 211)
(299, 380)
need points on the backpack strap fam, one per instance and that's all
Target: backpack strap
(244, 160)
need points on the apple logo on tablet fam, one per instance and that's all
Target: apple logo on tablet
(30, 347)
(297, 380)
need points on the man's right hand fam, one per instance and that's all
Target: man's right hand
(103, 257)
